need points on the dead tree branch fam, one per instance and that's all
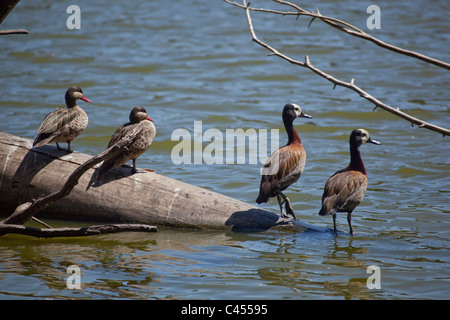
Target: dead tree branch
(14, 31)
(5, 8)
(73, 232)
(345, 27)
(350, 85)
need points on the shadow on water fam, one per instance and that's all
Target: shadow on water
(257, 220)
(252, 220)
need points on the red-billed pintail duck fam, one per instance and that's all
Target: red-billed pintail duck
(63, 124)
(285, 165)
(140, 121)
(345, 189)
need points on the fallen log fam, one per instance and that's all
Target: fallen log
(120, 196)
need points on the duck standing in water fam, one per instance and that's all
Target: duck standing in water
(345, 189)
(63, 124)
(285, 165)
(140, 121)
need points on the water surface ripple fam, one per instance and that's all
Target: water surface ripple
(189, 61)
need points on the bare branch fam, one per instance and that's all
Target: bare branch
(347, 28)
(73, 232)
(13, 31)
(5, 8)
(350, 85)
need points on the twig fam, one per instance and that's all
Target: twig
(41, 222)
(14, 31)
(347, 28)
(350, 85)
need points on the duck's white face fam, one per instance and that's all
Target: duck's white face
(297, 110)
(363, 136)
(299, 113)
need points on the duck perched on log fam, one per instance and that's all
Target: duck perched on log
(285, 165)
(345, 189)
(63, 124)
(146, 131)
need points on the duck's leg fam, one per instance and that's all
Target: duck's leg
(334, 222)
(289, 209)
(349, 219)
(68, 147)
(136, 170)
(280, 203)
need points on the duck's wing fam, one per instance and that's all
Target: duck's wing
(343, 191)
(282, 168)
(121, 132)
(55, 120)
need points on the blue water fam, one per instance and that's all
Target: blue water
(189, 61)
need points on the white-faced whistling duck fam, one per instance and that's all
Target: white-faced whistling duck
(285, 165)
(344, 190)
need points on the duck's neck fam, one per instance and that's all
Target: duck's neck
(70, 103)
(290, 130)
(356, 162)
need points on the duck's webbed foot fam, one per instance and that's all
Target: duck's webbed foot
(289, 209)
